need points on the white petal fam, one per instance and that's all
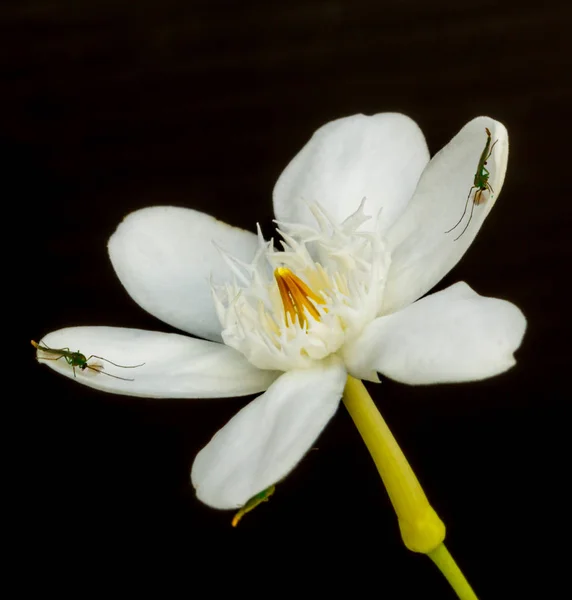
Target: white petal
(268, 437)
(451, 336)
(175, 366)
(379, 158)
(164, 257)
(421, 252)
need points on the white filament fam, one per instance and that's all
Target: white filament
(344, 266)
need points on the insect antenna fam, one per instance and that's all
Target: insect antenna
(115, 364)
(108, 374)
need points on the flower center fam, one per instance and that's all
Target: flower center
(297, 297)
(281, 320)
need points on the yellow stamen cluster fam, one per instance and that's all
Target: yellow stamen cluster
(297, 297)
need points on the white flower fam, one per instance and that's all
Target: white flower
(363, 215)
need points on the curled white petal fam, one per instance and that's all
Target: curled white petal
(263, 442)
(422, 253)
(451, 336)
(172, 366)
(166, 258)
(379, 158)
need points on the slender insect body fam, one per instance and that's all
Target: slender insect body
(480, 183)
(79, 360)
(259, 498)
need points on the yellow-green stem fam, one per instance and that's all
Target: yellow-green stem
(421, 528)
(448, 567)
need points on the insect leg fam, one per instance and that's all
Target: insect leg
(108, 374)
(115, 364)
(491, 150)
(67, 359)
(470, 216)
(62, 351)
(464, 212)
(49, 358)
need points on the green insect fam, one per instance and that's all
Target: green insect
(480, 183)
(77, 359)
(253, 503)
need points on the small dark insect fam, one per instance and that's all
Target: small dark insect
(480, 184)
(77, 359)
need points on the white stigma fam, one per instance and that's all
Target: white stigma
(292, 307)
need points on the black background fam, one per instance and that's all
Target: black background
(111, 106)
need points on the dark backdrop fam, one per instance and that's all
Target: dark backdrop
(111, 106)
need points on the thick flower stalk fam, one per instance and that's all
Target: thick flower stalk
(364, 224)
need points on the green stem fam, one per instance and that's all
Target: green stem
(421, 528)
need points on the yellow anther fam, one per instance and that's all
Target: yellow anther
(297, 297)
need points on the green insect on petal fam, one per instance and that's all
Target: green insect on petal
(253, 503)
(77, 359)
(480, 183)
